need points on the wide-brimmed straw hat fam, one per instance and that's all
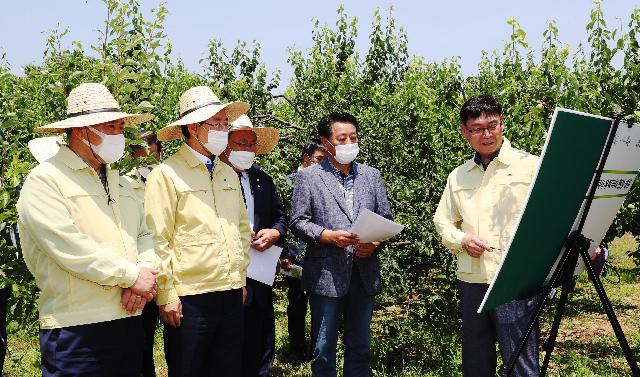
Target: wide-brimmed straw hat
(43, 148)
(197, 105)
(91, 104)
(266, 137)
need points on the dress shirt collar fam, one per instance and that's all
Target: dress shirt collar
(202, 158)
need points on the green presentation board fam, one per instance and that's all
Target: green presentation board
(569, 159)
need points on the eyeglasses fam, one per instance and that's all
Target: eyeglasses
(217, 126)
(246, 145)
(491, 127)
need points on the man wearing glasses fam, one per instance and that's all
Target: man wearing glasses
(201, 234)
(476, 217)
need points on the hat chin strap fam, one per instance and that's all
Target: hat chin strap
(88, 142)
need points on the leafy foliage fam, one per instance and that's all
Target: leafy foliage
(408, 109)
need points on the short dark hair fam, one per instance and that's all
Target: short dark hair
(136, 148)
(185, 131)
(310, 147)
(324, 127)
(476, 106)
(153, 139)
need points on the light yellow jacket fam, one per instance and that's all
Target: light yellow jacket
(485, 203)
(81, 250)
(200, 224)
(137, 185)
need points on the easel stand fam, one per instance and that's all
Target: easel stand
(576, 246)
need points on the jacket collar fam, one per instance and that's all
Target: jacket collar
(71, 159)
(328, 166)
(505, 156)
(331, 182)
(192, 156)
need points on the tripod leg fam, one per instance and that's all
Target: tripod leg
(569, 258)
(553, 334)
(608, 308)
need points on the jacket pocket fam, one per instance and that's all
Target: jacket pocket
(464, 263)
(200, 261)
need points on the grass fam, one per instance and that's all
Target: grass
(586, 344)
(417, 335)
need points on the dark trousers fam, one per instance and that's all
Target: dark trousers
(4, 297)
(150, 317)
(112, 348)
(259, 345)
(296, 317)
(506, 323)
(209, 340)
(327, 313)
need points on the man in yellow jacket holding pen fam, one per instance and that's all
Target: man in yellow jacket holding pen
(85, 240)
(194, 205)
(476, 217)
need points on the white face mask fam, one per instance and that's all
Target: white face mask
(242, 160)
(111, 149)
(346, 153)
(217, 141)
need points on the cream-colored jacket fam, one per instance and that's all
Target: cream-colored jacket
(485, 203)
(200, 224)
(81, 248)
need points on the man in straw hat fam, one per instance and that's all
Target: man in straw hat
(84, 238)
(268, 225)
(202, 235)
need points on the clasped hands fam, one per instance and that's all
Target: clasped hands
(343, 238)
(143, 290)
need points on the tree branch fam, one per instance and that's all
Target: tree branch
(279, 120)
(295, 108)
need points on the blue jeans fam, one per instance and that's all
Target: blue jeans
(355, 308)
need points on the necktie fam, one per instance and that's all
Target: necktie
(209, 166)
(244, 198)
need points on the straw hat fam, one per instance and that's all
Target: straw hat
(90, 104)
(43, 148)
(197, 105)
(267, 137)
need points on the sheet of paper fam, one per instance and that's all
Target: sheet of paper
(370, 227)
(262, 266)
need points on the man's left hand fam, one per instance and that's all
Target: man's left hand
(365, 250)
(285, 264)
(265, 238)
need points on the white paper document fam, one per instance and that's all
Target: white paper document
(262, 266)
(371, 227)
